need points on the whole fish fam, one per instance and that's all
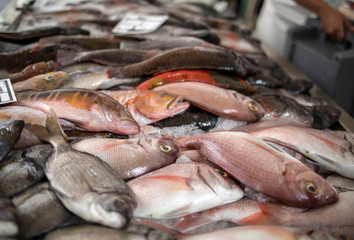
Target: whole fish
(341, 183)
(251, 232)
(8, 219)
(132, 157)
(23, 169)
(277, 106)
(210, 77)
(133, 231)
(88, 109)
(34, 123)
(34, 34)
(85, 185)
(192, 116)
(10, 132)
(219, 101)
(328, 150)
(147, 106)
(39, 210)
(187, 58)
(282, 177)
(200, 186)
(33, 70)
(42, 82)
(109, 57)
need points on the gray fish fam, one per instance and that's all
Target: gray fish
(85, 185)
(10, 132)
(23, 169)
(8, 218)
(39, 210)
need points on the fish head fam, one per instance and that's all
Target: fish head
(313, 190)
(120, 121)
(167, 147)
(158, 105)
(38, 153)
(10, 132)
(56, 79)
(251, 110)
(219, 182)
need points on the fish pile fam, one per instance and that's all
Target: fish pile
(186, 132)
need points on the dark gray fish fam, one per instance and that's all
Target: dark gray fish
(23, 169)
(85, 185)
(33, 35)
(8, 219)
(193, 115)
(39, 210)
(10, 132)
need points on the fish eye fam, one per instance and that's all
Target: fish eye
(49, 78)
(108, 135)
(4, 131)
(165, 148)
(312, 188)
(222, 173)
(45, 152)
(252, 107)
(126, 111)
(163, 93)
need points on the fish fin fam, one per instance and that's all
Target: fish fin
(268, 214)
(55, 134)
(190, 222)
(177, 182)
(114, 73)
(153, 223)
(65, 57)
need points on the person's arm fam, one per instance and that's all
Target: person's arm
(334, 22)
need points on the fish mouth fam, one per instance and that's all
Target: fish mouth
(177, 104)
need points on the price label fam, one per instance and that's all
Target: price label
(139, 24)
(7, 93)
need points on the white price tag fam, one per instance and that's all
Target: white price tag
(7, 93)
(139, 24)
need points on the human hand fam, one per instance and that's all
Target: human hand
(334, 23)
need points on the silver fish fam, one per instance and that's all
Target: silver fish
(23, 169)
(8, 218)
(10, 132)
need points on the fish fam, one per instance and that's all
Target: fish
(340, 183)
(88, 109)
(42, 82)
(34, 124)
(330, 152)
(90, 231)
(277, 107)
(283, 178)
(86, 185)
(33, 70)
(251, 232)
(147, 106)
(269, 123)
(23, 169)
(130, 158)
(10, 132)
(219, 101)
(210, 77)
(34, 34)
(187, 58)
(199, 185)
(109, 57)
(77, 135)
(191, 116)
(39, 210)
(8, 219)
(347, 136)
(243, 212)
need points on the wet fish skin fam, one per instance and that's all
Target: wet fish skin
(283, 177)
(331, 152)
(76, 135)
(8, 218)
(200, 185)
(10, 132)
(187, 58)
(94, 111)
(84, 184)
(341, 183)
(147, 106)
(219, 101)
(23, 169)
(132, 157)
(39, 210)
(33, 70)
(42, 82)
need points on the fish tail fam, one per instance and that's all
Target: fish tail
(65, 57)
(113, 73)
(190, 222)
(54, 134)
